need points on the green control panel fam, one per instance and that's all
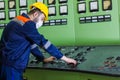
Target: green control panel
(94, 22)
(10, 9)
(59, 29)
(84, 22)
(72, 22)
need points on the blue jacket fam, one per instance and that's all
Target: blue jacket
(19, 39)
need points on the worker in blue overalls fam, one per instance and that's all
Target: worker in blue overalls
(20, 38)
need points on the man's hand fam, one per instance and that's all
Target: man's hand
(69, 60)
(50, 59)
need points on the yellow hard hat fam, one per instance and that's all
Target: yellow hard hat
(43, 8)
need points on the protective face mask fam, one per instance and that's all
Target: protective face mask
(39, 24)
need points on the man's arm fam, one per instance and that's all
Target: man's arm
(39, 56)
(33, 35)
(50, 48)
(36, 52)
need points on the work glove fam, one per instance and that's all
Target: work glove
(69, 60)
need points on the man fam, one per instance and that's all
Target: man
(20, 37)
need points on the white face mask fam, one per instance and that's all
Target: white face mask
(39, 24)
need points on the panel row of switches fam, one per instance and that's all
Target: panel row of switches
(55, 22)
(94, 19)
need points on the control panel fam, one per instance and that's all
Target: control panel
(94, 20)
(59, 29)
(60, 18)
(73, 22)
(96, 59)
